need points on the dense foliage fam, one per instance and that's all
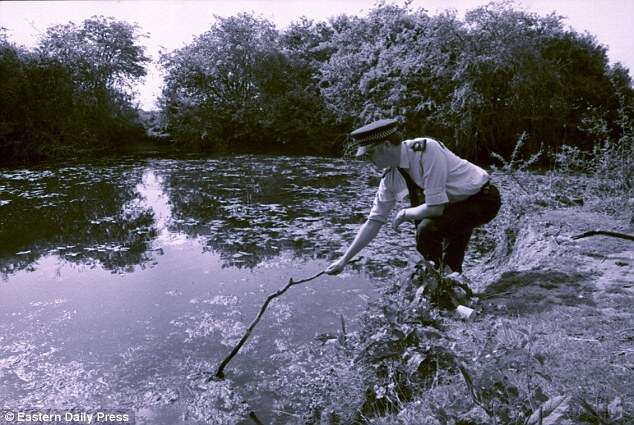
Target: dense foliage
(72, 93)
(477, 83)
(243, 86)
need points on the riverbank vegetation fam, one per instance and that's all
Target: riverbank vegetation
(548, 343)
(71, 96)
(477, 83)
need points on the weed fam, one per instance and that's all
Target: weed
(516, 163)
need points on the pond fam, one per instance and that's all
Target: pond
(122, 281)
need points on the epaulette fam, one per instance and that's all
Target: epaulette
(419, 146)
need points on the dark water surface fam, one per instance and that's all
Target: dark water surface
(122, 281)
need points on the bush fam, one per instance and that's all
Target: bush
(68, 97)
(243, 87)
(475, 83)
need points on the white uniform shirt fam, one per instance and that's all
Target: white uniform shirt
(444, 176)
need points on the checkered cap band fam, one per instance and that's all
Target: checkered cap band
(373, 137)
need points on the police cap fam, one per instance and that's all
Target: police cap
(372, 133)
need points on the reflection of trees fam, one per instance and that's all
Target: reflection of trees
(247, 209)
(85, 215)
(251, 209)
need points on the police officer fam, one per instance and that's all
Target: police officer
(449, 195)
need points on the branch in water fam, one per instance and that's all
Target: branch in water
(220, 371)
(604, 233)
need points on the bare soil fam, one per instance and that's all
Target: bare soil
(577, 296)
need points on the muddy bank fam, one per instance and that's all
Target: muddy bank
(574, 298)
(546, 266)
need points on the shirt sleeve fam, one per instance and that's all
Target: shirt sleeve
(435, 173)
(384, 200)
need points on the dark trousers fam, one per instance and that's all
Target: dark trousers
(444, 239)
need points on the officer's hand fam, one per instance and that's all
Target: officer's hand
(336, 267)
(400, 218)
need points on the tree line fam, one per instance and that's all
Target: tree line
(478, 83)
(72, 94)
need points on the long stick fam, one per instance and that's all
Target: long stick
(220, 371)
(605, 233)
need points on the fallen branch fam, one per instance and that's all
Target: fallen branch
(220, 371)
(604, 233)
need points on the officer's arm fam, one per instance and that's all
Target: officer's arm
(383, 203)
(365, 235)
(424, 211)
(418, 213)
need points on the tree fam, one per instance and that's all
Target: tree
(211, 93)
(396, 63)
(295, 112)
(522, 72)
(477, 84)
(102, 53)
(105, 59)
(36, 105)
(72, 94)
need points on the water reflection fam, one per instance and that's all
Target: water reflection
(83, 215)
(196, 246)
(250, 209)
(152, 196)
(247, 209)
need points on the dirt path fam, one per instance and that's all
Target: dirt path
(576, 295)
(597, 269)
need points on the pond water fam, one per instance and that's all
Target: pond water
(122, 281)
